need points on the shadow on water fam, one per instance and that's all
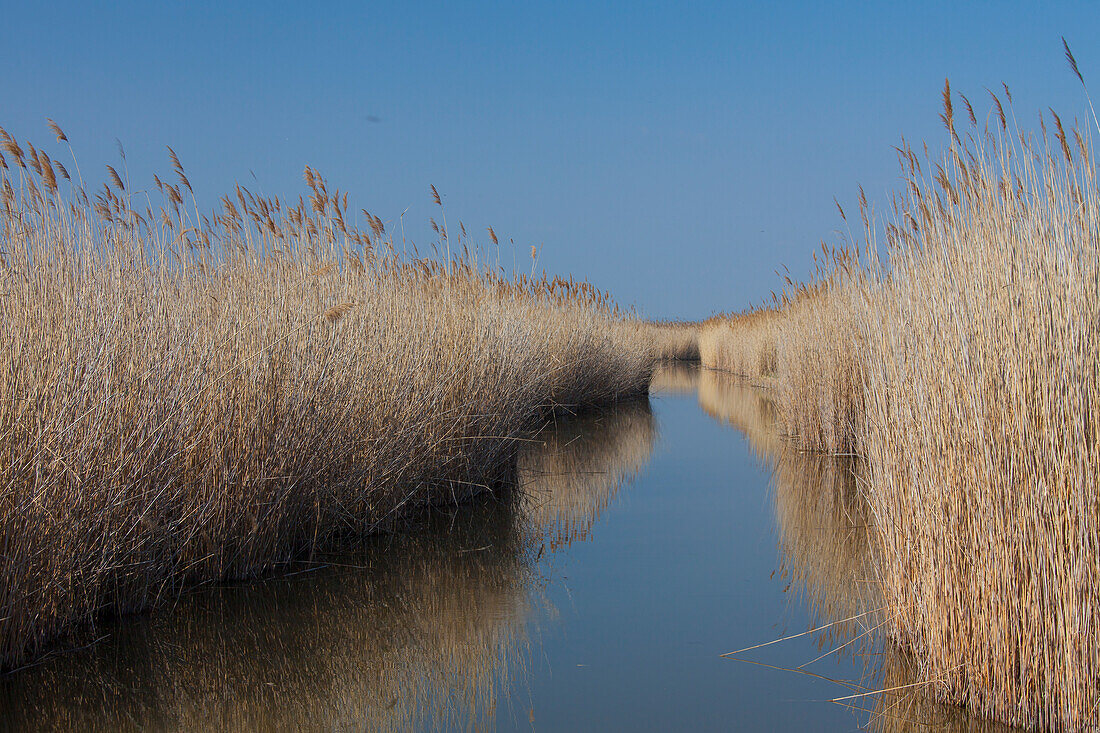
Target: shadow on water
(825, 533)
(423, 629)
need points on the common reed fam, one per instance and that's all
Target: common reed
(980, 363)
(424, 628)
(187, 398)
(827, 558)
(800, 348)
(675, 340)
(743, 343)
(960, 360)
(410, 631)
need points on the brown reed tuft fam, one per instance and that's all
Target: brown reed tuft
(115, 179)
(1072, 61)
(56, 129)
(336, 312)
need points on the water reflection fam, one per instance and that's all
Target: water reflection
(422, 629)
(425, 632)
(576, 468)
(439, 627)
(825, 532)
(821, 518)
(677, 377)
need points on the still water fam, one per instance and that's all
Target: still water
(644, 543)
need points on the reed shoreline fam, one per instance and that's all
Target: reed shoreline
(425, 627)
(953, 349)
(188, 398)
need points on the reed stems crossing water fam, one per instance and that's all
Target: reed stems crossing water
(963, 368)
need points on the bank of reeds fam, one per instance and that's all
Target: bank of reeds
(186, 398)
(675, 340)
(827, 557)
(411, 631)
(742, 343)
(801, 349)
(424, 628)
(964, 369)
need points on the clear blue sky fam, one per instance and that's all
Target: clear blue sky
(675, 154)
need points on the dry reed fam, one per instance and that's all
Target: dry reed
(964, 370)
(427, 628)
(675, 340)
(827, 557)
(187, 398)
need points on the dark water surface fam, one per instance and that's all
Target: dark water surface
(647, 541)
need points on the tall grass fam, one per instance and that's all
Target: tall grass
(801, 350)
(675, 340)
(828, 559)
(743, 344)
(964, 368)
(426, 629)
(186, 398)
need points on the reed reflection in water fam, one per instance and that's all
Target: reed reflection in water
(577, 467)
(427, 628)
(825, 531)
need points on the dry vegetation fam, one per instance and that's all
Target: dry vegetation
(827, 549)
(189, 398)
(964, 371)
(743, 344)
(422, 634)
(675, 340)
(801, 350)
(420, 629)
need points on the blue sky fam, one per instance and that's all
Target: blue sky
(675, 154)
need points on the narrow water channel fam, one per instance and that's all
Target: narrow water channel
(645, 541)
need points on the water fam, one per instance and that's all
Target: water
(647, 541)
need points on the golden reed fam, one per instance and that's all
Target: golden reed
(186, 398)
(964, 370)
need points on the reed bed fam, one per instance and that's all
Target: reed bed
(963, 368)
(827, 557)
(188, 398)
(801, 349)
(422, 628)
(743, 343)
(675, 340)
